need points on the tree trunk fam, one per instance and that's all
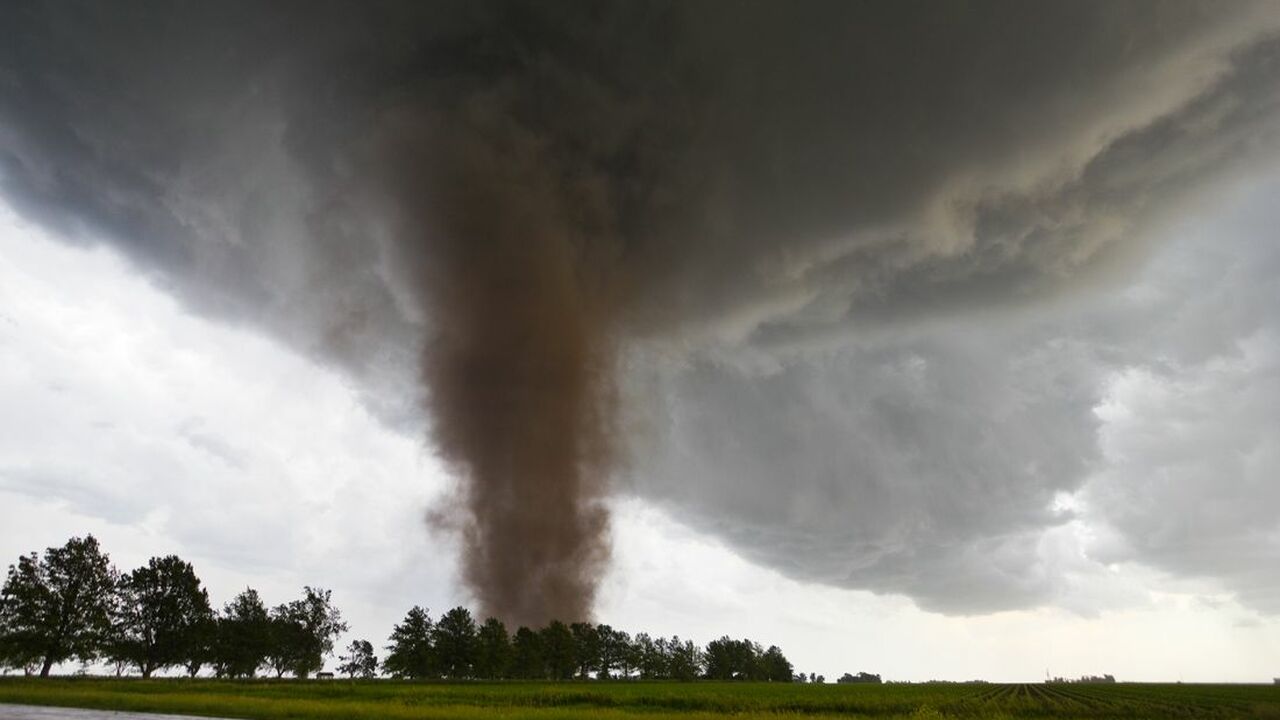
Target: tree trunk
(48, 665)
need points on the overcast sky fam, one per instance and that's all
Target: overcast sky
(953, 364)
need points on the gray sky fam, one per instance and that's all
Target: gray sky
(949, 345)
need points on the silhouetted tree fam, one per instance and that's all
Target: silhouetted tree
(285, 641)
(455, 643)
(586, 648)
(57, 607)
(615, 647)
(70, 604)
(720, 659)
(774, 665)
(728, 659)
(202, 645)
(685, 660)
(1087, 679)
(650, 660)
(359, 660)
(527, 660)
(12, 654)
(158, 611)
(411, 654)
(242, 638)
(493, 650)
(862, 677)
(557, 650)
(303, 631)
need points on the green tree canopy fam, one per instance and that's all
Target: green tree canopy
(201, 645)
(410, 654)
(302, 632)
(558, 650)
(286, 641)
(614, 655)
(493, 650)
(775, 667)
(728, 659)
(359, 660)
(159, 612)
(648, 657)
(455, 643)
(686, 660)
(57, 608)
(242, 639)
(586, 648)
(527, 661)
(14, 653)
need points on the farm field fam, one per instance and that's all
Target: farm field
(394, 700)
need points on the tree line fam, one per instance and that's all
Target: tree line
(1084, 679)
(456, 646)
(71, 604)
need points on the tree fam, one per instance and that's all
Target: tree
(455, 643)
(303, 631)
(57, 607)
(615, 652)
(586, 648)
(202, 644)
(728, 659)
(650, 660)
(862, 677)
(159, 610)
(12, 653)
(411, 653)
(721, 659)
(285, 641)
(557, 650)
(242, 637)
(625, 656)
(774, 665)
(686, 660)
(527, 661)
(359, 660)
(493, 650)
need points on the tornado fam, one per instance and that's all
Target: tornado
(510, 262)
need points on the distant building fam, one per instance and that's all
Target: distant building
(324, 676)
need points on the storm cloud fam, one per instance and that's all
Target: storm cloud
(855, 272)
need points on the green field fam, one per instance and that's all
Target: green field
(387, 699)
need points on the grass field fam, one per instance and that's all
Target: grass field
(395, 700)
